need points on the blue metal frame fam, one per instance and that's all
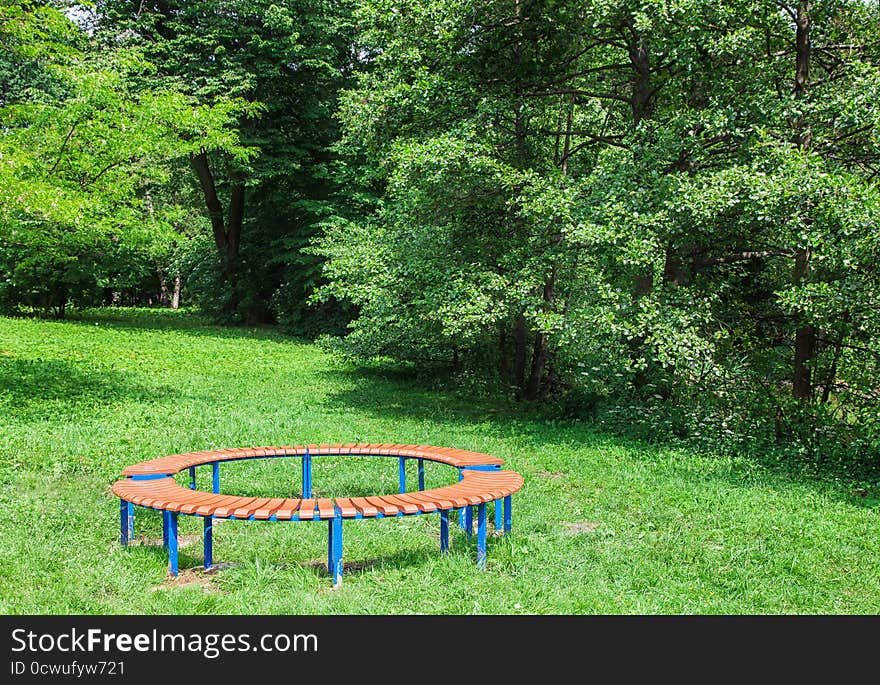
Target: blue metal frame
(499, 517)
(461, 522)
(481, 535)
(170, 518)
(164, 529)
(208, 542)
(508, 516)
(215, 477)
(334, 549)
(192, 477)
(469, 521)
(126, 522)
(307, 475)
(421, 463)
(444, 531)
(401, 474)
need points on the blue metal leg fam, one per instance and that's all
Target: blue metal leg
(334, 549)
(171, 517)
(444, 531)
(192, 477)
(508, 518)
(401, 474)
(498, 514)
(421, 474)
(481, 535)
(164, 530)
(461, 521)
(307, 476)
(209, 542)
(469, 521)
(215, 477)
(126, 522)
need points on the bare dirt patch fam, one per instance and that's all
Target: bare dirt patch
(582, 527)
(194, 577)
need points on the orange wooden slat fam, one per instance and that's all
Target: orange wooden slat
(425, 506)
(191, 508)
(268, 508)
(226, 510)
(209, 508)
(383, 506)
(288, 508)
(346, 508)
(306, 509)
(402, 505)
(326, 510)
(366, 509)
(248, 510)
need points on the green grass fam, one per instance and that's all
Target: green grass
(662, 531)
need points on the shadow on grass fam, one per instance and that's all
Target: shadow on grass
(34, 388)
(191, 563)
(184, 322)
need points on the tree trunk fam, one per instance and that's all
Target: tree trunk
(236, 215)
(804, 340)
(503, 367)
(163, 288)
(536, 375)
(640, 107)
(673, 268)
(539, 355)
(175, 294)
(519, 354)
(212, 201)
(520, 333)
(805, 335)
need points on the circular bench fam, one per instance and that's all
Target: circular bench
(151, 484)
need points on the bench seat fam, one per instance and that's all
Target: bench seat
(475, 487)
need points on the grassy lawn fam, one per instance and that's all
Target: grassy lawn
(602, 526)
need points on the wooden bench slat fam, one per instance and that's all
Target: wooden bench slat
(193, 499)
(191, 508)
(402, 504)
(209, 508)
(326, 509)
(346, 508)
(383, 506)
(365, 508)
(269, 508)
(426, 504)
(245, 511)
(288, 509)
(228, 510)
(306, 509)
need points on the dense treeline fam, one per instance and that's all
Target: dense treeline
(665, 210)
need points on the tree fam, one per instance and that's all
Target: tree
(286, 59)
(665, 200)
(80, 150)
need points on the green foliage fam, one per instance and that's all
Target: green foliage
(648, 189)
(79, 163)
